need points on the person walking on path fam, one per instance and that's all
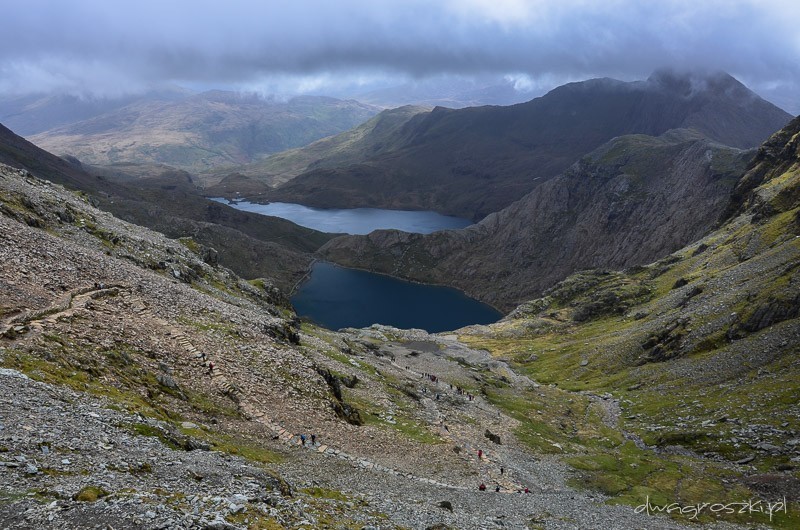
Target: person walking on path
(313, 439)
(482, 487)
(480, 454)
(302, 439)
(210, 367)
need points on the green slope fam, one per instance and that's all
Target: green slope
(701, 350)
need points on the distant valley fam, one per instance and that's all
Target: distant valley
(197, 132)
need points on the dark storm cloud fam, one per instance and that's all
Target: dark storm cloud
(102, 46)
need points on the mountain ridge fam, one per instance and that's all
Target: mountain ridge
(471, 162)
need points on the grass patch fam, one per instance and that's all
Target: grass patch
(90, 494)
(143, 429)
(240, 446)
(254, 520)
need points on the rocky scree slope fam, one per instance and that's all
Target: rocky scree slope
(471, 162)
(168, 200)
(115, 416)
(629, 202)
(700, 349)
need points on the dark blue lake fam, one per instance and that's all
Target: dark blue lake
(336, 297)
(354, 220)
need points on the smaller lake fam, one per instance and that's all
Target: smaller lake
(353, 220)
(336, 297)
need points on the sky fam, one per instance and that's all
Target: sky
(111, 48)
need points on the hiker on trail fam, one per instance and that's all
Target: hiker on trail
(480, 454)
(482, 487)
(497, 489)
(313, 439)
(527, 490)
(302, 439)
(210, 368)
(502, 470)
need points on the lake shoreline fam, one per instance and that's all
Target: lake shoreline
(336, 297)
(352, 221)
(387, 275)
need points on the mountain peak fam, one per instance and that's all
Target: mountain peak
(690, 83)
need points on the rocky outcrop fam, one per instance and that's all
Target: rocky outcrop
(630, 202)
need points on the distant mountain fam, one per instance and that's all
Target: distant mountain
(631, 201)
(33, 114)
(167, 200)
(475, 161)
(203, 131)
(367, 140)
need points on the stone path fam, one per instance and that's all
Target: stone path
(35, 321)
(253, 411)
(489, 469)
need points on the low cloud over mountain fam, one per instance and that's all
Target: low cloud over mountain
(90, 46)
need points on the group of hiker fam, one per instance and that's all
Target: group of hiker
(461, 392)
(435, 379)
(313, 439)
(432, 377)
(482, 487)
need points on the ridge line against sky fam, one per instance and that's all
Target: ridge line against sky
(97, 47)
